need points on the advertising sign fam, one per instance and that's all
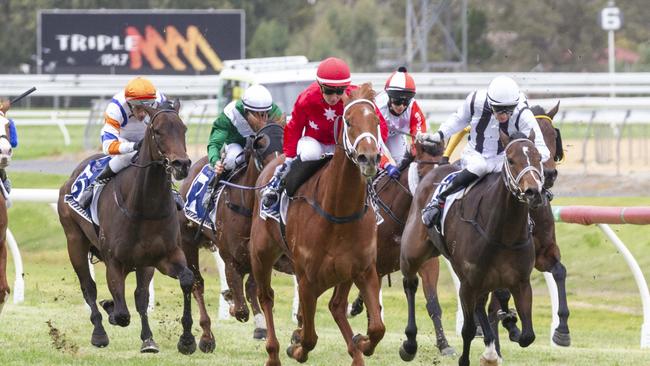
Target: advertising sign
(139, 41)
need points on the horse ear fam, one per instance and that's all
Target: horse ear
(504, 138)
(554, 110)
(531, 137)
(177, 104)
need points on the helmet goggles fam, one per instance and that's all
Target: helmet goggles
(142, 102)
(503, 109)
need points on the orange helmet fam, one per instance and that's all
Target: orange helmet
(140, 90)
(333, 72)
(400, 84)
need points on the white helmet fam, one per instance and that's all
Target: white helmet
(503, 91)
(257, 98)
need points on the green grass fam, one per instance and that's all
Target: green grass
(605, 307)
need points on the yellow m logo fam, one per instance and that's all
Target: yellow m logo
(152, 41)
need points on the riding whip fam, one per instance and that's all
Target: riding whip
(23, 95)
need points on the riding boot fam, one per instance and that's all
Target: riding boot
(6, 182)
(178, 200)
(270, 201)
(87, 195)
(432, 213)
(205, 202)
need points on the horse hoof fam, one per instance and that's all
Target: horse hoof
(448, 352)
(149, 346)
(107, 305)
(295, 336)
(186, 344)
(514, 334)
(405, 355)
(562, 339)
(485, 362)
(123, 320)
(242, 315)
(99, 340)
(356, 308)
(259, 334)
(207, 345)
(526, 340)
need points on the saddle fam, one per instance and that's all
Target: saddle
(300, 172)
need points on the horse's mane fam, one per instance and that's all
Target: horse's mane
(365, 91)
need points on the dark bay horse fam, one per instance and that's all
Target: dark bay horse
(394, 203)
(138, 230)
(5, 157)
(488, 236)
(232, 232)
(330, 236)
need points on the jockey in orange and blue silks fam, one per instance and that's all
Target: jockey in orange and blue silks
(125, 123)
(403, 117)
(7, 143)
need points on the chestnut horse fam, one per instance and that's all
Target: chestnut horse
(5, 157)
(488, 236)
(232, 231)
(330, 236)
(394, 198)
(138, 230)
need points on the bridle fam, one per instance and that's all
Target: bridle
(163, 160)
(512, 182)
(349, 147)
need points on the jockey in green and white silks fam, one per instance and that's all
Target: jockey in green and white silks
(502, 107)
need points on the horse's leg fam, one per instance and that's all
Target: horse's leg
(429, 273)
(175, 265)
(143, 279)
(468, 303)
(523, 295)
(78, 247)
(493, 319)
(561, 336)
(235, 280)
(491, 355)
(508, 317)
(338, 307)
(118, 313)
(307, 338)
(356, 307)
(368, 283)
(4, 285)
(251, 296)
(191, 250)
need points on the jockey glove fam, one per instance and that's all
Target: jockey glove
(137, 145)
(392, 171)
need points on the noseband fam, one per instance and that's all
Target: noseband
(349, 147)
(512, 182)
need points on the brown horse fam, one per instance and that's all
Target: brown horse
(394, 201)
(547, 252)
(488, 236)
(5, 157)
(232, 230)
(330, 236)
(138, 230)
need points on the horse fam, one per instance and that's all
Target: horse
(5, 158)
(232, 230)
(488, 242)
(137, 230)
(330, 235)
(394, 200)
(547, 252)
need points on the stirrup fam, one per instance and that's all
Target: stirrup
(272, 211)
(86, 197)
(7, 184)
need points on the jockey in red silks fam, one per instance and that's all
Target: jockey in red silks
(309, 135)
(403, 117)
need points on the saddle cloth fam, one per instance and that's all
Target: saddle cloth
(452, 197)
(194, 209)
(84, 180)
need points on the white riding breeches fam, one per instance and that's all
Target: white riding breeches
(397, 146)
(476, 163)
(233, 157)
(119, 162)
(309, 149)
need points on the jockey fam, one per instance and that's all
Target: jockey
(125, 122)
(6, 142)
(403, 117)
(309, 135)
(240, 119)
(502, 107)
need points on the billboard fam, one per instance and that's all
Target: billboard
(139, 41)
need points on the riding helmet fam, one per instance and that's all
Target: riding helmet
(333, 72)
(400, 85)
(257, 98)
(503, 91)
(139, 88)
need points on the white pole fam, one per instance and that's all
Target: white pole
(640, 282)
(552, 292)
(224, 307)
(459, 309)
(612, 61)
(19, 282)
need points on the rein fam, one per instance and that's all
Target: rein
(512, 182)
(164, 161)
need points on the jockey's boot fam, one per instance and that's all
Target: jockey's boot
(5, 180)
(178, 200)
(212, 185)
(270, 201)
(87, 195)
(432, 213)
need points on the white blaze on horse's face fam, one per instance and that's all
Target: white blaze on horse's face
(367, 163)
(527, 185)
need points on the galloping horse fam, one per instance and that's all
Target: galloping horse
(488, 237)
(232, 231)
(5, 157)
(394, 203)
(330, 236)
(138, 230)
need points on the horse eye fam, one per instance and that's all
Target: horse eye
(510, 161)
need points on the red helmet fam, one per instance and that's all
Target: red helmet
(400, 84)
(333, 72)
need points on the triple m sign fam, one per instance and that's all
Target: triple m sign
(139, 41)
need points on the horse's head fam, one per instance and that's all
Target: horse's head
(164, 139)
(553, 141)
(522, 168)
(267, 143)
(427, 155)
(361, 132)
(5, 144)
